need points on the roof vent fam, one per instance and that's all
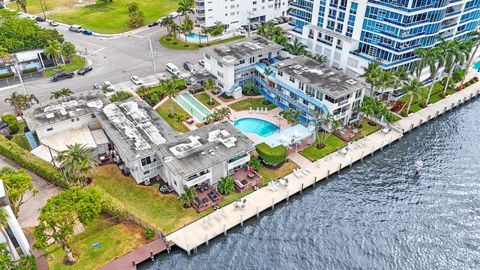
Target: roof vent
(351, 81)
(49, 115)
(167, 159)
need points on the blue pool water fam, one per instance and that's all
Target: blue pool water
(476, 65)
(256, 126)
(195, 36)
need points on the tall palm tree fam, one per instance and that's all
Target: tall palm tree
(64, 92)
(400, 76)
(52, 50)
(3, 226)
(267, 72)
(209, 86)
(223, 113)
(412, 90)
(167, 22)
(424, 61)
(23, 5)
(386, 80)
(321, 59)
(458, 52)
(438, 60)
(179, 118)
(20, 101)
(185, 7)
(171, 91)
(206, 32)
(76, 161)
(475, 40)
(296, 47)
(372, 73)
(291, 115)
(174, 28)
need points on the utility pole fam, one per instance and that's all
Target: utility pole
(152, 54)
(17, 70)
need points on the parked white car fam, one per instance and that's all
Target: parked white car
(136, 80)
(172, 69)
(108, 85)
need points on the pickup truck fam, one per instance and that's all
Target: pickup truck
(62, 75)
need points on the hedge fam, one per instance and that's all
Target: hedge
(27, 160)
(10, 119)
(272, 156)
(6, 75)
(29, 70)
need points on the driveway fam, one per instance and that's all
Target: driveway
(29, 210)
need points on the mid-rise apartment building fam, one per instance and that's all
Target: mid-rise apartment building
(353, 33)
(295, 82)
(236, 13)
(131, 133)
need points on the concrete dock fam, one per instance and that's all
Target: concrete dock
(203, 230)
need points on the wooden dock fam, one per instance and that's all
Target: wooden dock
(130, 260)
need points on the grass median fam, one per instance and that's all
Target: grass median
(170, 42)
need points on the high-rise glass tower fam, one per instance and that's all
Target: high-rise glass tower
(353, 33)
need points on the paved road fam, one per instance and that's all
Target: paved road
(114, 59)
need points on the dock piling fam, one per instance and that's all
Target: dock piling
(241, 220)
(224, 229)
(301, 190)
(273, 203)
(151, 256)
(351, 161)
(288, 195)
(373, 149)
(258, 211)
(206, 240)
(383, 144)
(314, 181)
(339, 168)
(328, 173)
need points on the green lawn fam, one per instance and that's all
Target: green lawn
(164, 212)
(164, 111)
(228, 199)
(332, 144)
(168, 41)
(245, 104)
(22, 141)
(75, 64)
(269, 174)
(34, 7)
(366, 130)
(113, 17)
(204, 98)
(115, 240)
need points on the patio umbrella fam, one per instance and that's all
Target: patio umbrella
(251, 169)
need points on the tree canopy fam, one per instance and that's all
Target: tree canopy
(17, 183)
(20, 34)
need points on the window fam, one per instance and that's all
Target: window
(220, 74)
(280, 73)
(242, 61)
(50, 129)
(146, 161)
(220, 64)
(207, 56)
(292, 79)
(146, 172)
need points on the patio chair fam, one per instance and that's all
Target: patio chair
(266, 110)
(258, 110)
(250, 110)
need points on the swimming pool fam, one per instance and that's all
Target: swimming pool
(195, 37)
(476, 65)
(191, 105)
(256, 126)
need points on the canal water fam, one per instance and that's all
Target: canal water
(377, 215)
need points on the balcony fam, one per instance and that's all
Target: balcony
(197, 179)
(237, 162)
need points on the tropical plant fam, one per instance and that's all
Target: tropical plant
(76, 162)
(64, 92)
(328, 125)
(20, 101)
(458, 52)
(3, 228)
(438, 61)
(321, 59)
(52, 50)
(17, 183)
(372, 74)
(68, 50)
(170, 88)
(206, 32)
(296, 47)
(291, 115)
(60, 215)
(254, 163)
(179, 118)
(386, 79)
(267, 72)
(167, 22)
(425, 60)
(475, 42)
(221, 114)
(185, 7)
(136, 17)
(249, 89)
(217, 29)
(186, 27)
(188, 196)
(149, 234)
(4, 55)
(412, 90)
(226, 185)
(209, 86)
(120, 96)
(400, 76)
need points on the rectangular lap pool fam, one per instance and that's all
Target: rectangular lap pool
(192, 106)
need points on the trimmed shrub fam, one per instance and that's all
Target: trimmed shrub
(120, 96)
(272, 156)
(457, 75)
(6, 75)
(13, 128)
(149, 234)
(24, 158)
(9, 119)
(29, 70)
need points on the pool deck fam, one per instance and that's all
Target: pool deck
(197, 233)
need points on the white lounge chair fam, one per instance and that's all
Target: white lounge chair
(250, 110)
(266, 110)
(258, 110)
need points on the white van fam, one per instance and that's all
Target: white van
(76, 28)
(172, 69)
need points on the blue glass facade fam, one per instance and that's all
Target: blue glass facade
(391, 29)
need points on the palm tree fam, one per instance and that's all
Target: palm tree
(226, 185)
(475, 40)
(424, 61)
(209, 86)
(400, 76)
(185, 7)
(438, 60)
(413, 89)
(188, 196)
(76, 161)
(52, 50)
(458, 53)
(167, 22)
(372, 73)
(64, 92)
(20, 101)
(206, 31)
(171, 90)
(386, 80)
(321, 59)
(296, 48)
(267, 72)
(174, 28)
(329, 125)
(291, 115)
(180, 118)
(222, 113)
(3, 226)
